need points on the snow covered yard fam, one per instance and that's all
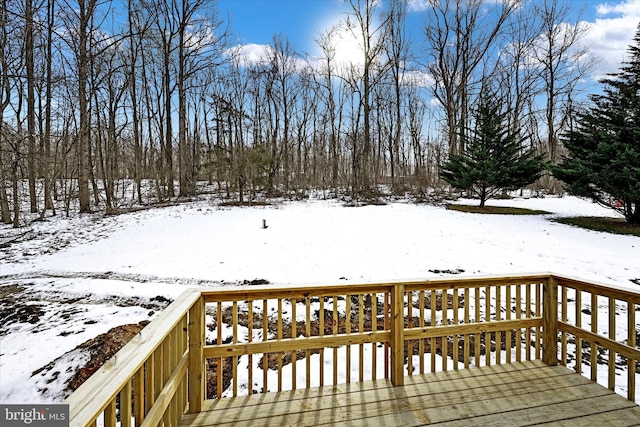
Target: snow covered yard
(79, 277)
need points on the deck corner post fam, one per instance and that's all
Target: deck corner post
(196, 375)
(397, 334)
(550, 321)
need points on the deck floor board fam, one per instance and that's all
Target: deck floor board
(518, 394)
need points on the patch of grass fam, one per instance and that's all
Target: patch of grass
(495, 210)
(608, 225)
(238, 204)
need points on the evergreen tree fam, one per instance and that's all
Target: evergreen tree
(495, 158)
(604, 148)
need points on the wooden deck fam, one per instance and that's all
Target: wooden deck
(517, 394)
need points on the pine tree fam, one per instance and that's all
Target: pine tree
(604, 148)
(495, 158)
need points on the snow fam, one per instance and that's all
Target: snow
(114, 265)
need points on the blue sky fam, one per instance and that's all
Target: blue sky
(612, 23)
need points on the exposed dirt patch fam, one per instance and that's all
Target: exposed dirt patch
(100, 349)
(15, 309)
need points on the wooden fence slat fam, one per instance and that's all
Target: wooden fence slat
(322, 326)
(294, 353)
(631, 342)
(374, 328)
(234, 339)
(433, 300)
(250, 339)
(361, 330)
(508, 317)
(611, 365)
(594, 329)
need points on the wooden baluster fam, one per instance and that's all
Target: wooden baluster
(307, 301)
(158, 372)
(149, 382)
(110, 418)
(612, 335)
(421, 343)
(125, 405)
(166, 373)
(508, 317)
(336, 320)
(138, 396)
(265, 337)
(409, 344)
(234, 359)
(527, 316)
(538, 287)
(519, 316)
(594, 329)
(387, 326)
(498, 317)
(322, 326)
(478, 335)
(433, 301)
(579, 326)
(456, 321)
(374, 328)
(467, 308)
(487, 318)
(564, 317)
(219, 362)
(294, 353)
(631, 342)
(360, 331)
(279, 354)
(347, 323)
(250, 340)
(175, 346)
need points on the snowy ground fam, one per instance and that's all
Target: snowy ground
(78, 277)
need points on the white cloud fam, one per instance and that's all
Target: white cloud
(611, 33)
(417, 5)
(250, 54)
(417, 79)
(247, 55)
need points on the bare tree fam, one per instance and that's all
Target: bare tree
(397, 51)
(562, 64)
(5, 99)
(371, 35)
(332, 116)
(458, 38)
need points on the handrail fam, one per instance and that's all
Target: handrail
(387, 329)
(101, 389)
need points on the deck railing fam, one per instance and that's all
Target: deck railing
(210, 344)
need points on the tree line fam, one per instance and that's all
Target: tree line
(146, 100)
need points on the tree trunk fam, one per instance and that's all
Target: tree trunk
(31, 106)
(86, 10)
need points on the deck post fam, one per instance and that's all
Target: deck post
(397, 334)
(550, 321)
(196, 356)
